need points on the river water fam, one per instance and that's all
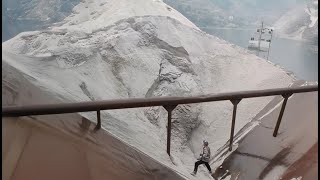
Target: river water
(296, 57)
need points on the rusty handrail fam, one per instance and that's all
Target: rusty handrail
(43, 109)
(169, 103)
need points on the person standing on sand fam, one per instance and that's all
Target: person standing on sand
(203, 159)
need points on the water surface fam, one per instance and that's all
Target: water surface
(294, 56)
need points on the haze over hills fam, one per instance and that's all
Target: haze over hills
(300, 23)
(27, 15)
(143, 48)
(292, 19)
(232, 13)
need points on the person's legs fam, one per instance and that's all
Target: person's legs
(196, 166)
(208, 166)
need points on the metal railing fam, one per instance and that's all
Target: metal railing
(169, 103)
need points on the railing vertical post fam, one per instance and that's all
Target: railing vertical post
(235, 103)
(169, 132)
(169, 109)
(98, 126)
(285, 96)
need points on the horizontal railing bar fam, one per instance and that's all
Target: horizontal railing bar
(44, 109)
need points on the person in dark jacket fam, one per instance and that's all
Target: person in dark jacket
(203, 159)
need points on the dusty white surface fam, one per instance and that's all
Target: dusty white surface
(140, 49)
(90, 15)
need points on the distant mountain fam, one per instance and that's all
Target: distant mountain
(232, 13)
(300, 23)
(292, 19)
(27, 15)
